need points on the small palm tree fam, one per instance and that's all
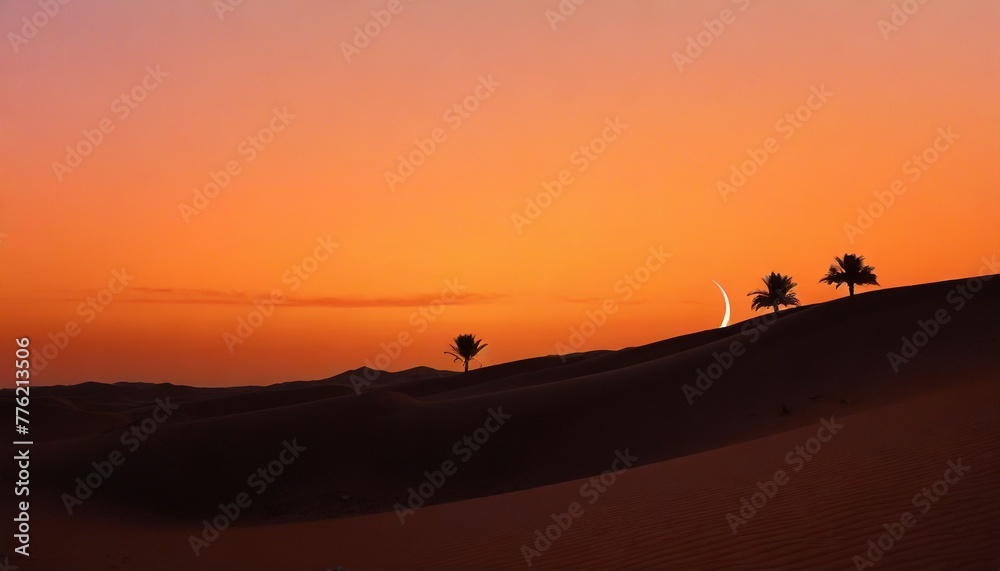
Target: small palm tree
(465, 348)
(850, 270)
(778, 291)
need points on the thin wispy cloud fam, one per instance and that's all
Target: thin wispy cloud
(595, 300)
(217, 297)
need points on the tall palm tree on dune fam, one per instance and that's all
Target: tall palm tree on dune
(777, 291)
(850, 270)
(465, 348)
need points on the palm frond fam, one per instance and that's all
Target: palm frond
(851, 270)
(465, 348)
(777, 291)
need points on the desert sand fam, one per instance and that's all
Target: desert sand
(811, 394)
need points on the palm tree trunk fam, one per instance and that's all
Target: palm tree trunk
(466, 365)
(776, 308)
(850, 288)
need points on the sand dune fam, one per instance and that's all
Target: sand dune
(696, 454)
(666, 515)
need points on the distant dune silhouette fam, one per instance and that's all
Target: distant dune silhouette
(697, 455)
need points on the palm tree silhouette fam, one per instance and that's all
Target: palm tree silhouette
(850, 270)
(465, 348)
(778, 291)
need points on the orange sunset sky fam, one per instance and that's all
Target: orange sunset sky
(532, 89)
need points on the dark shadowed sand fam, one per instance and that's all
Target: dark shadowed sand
(693, 463)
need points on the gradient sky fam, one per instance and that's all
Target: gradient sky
(323, 174)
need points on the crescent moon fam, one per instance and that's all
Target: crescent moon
(725, 318)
